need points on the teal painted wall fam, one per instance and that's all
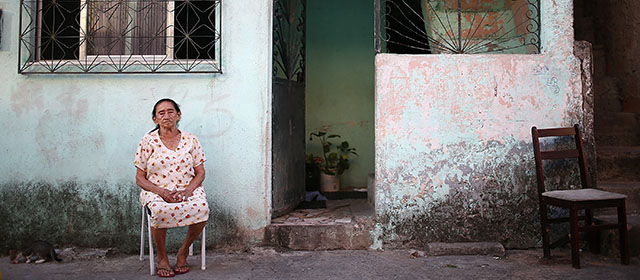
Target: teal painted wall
(340, 84)
(67, 171)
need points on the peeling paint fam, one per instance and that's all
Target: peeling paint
(454, 160)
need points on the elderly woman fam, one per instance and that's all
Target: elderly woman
(170, 171)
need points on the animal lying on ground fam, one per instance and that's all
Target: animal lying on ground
(38, 252)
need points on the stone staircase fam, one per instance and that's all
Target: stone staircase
(617, 132)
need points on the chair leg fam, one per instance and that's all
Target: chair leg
(624, 234)
(151, 257)
(191, 250)
(203, 254)
(142, 234)
(545, 231)
(575, 240)
(592, 236)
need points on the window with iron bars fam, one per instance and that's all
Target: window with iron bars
(457, 26)
(120, 36)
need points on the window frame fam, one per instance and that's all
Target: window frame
(31, 62)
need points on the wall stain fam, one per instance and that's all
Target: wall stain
(90, 215)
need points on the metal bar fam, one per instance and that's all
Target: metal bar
(376, 26)
(459, 28)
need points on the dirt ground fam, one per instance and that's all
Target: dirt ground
(261, 263)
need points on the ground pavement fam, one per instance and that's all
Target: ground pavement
(261, 263)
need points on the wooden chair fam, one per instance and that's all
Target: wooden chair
(586, 198)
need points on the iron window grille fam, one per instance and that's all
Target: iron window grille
(120, 36)
(457, 26)
(289, 29)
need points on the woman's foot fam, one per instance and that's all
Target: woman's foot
(164, 269)
(181, 269)
(181, 266)
(164, 272)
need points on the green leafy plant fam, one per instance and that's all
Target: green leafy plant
(336, 157)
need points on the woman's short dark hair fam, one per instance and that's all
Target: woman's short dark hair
(153, 113)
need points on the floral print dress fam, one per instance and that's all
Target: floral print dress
(173, 170)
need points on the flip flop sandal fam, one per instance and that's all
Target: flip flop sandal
(182, 269)
(167, 273)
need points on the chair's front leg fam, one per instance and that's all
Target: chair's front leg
(575, 240)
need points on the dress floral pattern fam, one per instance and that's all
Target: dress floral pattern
(173, 170)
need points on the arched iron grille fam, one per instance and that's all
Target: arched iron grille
(120, 36)
(288, 39)
(458, 26)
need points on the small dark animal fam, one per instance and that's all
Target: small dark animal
(38, 252)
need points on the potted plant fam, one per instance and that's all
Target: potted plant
(334, 162)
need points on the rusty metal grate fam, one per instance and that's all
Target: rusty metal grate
(458, 26)
(120, 36)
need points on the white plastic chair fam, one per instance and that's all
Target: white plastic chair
(203, 264)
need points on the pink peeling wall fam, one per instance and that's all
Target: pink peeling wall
(453, 146)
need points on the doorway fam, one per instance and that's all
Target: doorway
(324, 49)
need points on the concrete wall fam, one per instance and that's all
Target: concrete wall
(454, 160)
(67, 171)
(340, 71)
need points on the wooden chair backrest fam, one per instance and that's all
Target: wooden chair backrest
(578, 152)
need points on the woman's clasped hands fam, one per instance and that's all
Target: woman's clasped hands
(175, 196)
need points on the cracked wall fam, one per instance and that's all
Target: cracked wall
(454, 160)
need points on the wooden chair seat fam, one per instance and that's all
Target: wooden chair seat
(583, 195)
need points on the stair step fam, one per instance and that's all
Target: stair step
(617, 122)
(609, 242)
(617, 139)
(606, 93)
(599, 61)
(631, 104)
(618, 163)
(349, 236)
(630, 189)
(343, 225)
(606, 102)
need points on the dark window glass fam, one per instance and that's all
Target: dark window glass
(194, 33)
(59, 29)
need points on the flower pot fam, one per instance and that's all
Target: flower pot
(329, 183)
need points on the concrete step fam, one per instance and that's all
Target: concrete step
(617, 139)
(617, 122)
(599, 61)
(618, 163)
(609, 239)
(631, 104)
(630, 189)
(617, 129)
(344, 225)
(607, 94)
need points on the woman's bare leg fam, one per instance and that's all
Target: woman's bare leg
(193, 233)
(160, 237)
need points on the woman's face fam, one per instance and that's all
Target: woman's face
(166, 115)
